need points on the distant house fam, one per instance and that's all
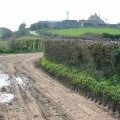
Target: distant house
(67, 24)
(93, 20)
(96, 19)
(118, 25)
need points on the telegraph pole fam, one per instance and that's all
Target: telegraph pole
(67, 14)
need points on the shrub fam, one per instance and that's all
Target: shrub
(111, 36)
(101, 90)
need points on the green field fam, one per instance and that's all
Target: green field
(82, 31)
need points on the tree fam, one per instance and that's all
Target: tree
(5, 33)
(39, 25)
(22, 29)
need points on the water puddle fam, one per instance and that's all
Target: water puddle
(4, 84)
(6, 97)
(4, 80)
(21, 80)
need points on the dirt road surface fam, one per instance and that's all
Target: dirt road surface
(37, 96)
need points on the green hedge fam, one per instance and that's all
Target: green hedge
(112, 36)
(102, 56)
(21, 45)
(25, 44)
(84, 82)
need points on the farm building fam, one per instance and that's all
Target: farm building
(93, 20)
(67, 24)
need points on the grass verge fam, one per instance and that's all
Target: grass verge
(102, 91)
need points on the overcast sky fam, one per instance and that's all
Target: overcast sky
(15, 12)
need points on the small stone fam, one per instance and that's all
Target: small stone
(10, 103)
(35, 116)
(10, 108)
(3, 89)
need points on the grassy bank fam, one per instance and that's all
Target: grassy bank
(101, 90)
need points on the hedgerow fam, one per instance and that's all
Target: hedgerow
(21, 45)
(25, 44)
(103, 57)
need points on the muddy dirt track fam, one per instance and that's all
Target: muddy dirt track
(37, 96)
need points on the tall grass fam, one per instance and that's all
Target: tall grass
(21, 45)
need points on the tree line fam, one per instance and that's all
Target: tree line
(7, 33)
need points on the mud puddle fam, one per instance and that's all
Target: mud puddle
(22, 81)
(4, 79)
(6, 84)
(6, 97)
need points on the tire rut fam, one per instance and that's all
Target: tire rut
(49, 109)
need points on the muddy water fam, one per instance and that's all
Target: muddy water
(5, 83)
(6, 97)
(4, 80)
(21, 80)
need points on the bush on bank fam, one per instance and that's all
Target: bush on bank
(103, 90)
